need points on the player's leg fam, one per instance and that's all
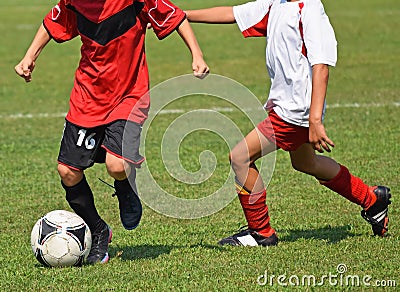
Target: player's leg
(251, 191)
(243, 158)
(121, 142)
(304, 159)
(75, 156)
(125, 189)
(374, 200)
(80, 196)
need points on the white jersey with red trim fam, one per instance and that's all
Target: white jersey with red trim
(299, 35)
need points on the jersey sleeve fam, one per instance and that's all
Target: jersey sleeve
(60, 23)
(319, 36)
(164, 16)
(252, 17)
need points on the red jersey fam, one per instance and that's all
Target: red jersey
(112, 77)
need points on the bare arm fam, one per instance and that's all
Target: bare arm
(222, 14)
(317, 135)
(27, 64)
(199, 66)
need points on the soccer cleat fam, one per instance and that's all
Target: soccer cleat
(99, 251)
(249, 237)
(377, 214)
(130, 209)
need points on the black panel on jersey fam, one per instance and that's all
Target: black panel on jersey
(112, 27)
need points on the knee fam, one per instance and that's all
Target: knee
(237, 160)
(118, 169)
(230, 157)
(296, 166)
(69, 177)
(232, 160)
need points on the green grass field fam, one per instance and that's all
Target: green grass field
(318, 229)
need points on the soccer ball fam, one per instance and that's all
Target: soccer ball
(61, 239)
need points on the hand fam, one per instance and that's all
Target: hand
(25, 68)
(318, 138)
(200, 68)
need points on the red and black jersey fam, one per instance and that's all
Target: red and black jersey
(112, 79)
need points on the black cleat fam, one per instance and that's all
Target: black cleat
(249, 237)
(99, 251)
(377, 214)
(130, 209)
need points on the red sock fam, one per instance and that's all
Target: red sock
(351, 187)
(256, 212)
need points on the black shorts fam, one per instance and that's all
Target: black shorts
(82, 147)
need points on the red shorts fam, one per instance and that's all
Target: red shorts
(287, 136)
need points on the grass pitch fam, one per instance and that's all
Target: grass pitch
(320, 232)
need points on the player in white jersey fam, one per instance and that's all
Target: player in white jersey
(301, 46)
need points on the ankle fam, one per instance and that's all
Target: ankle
(371, 198)
(266, 232)
(100, 225)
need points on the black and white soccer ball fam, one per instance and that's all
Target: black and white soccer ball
(61, 239)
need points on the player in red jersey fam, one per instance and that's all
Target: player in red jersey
(109, 96)
(301, 45)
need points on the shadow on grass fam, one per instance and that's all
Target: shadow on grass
(330, 234)
(150, 251)
(139, 252)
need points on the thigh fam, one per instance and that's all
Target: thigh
(80, 146)
(122, 139)
(305, 159)
(303, 156)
